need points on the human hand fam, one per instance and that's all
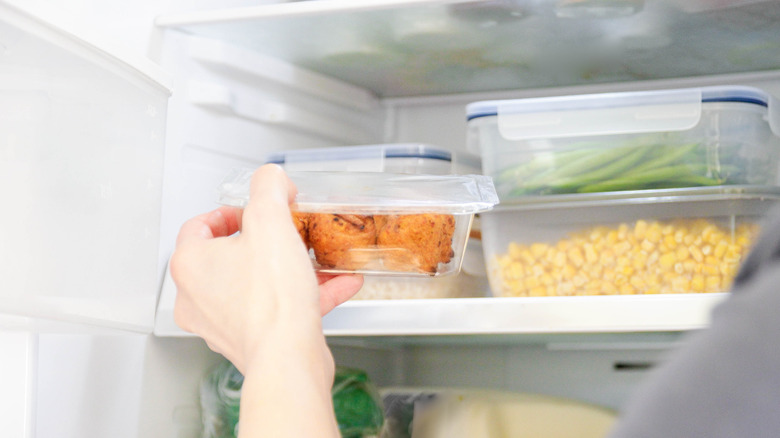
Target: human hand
(237, 290)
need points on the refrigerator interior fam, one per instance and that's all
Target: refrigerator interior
(246, 81)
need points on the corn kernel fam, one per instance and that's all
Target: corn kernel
(538, 250)
(697, 283)
(696, 253)
(639, 261)
(612, 237)
(720, 249)
(559, 259)
(681, 284)
(566, 288)
(622, 231)
(710, 269)
(712, 283)
(568, 271)
(667, 260)
(538, 292)
(590, 254)
(608, 288)
(654, 233)
(526, 257)
(638, 283)
(647, 245)
(622, 248)
(576, 257)
(640, 228)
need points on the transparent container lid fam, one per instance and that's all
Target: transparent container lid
(643, 197)
(374, 192)
(614, 113)
(378, 152)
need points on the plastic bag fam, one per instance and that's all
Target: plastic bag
(220, 393)
(356, 402)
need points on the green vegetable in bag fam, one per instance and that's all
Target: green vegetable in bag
(356, 403)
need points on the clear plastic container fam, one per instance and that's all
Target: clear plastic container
(461, 285)
(415, 158)
(697, 137)
(380, 223)
(671, 241)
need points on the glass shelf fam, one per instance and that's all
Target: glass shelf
(400, 48)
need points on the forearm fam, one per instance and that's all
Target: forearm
(287, 390)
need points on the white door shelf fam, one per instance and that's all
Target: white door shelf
(398, 48)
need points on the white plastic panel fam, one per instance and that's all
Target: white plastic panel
(18, 365)
(81, 149)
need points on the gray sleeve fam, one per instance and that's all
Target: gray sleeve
(725, 381)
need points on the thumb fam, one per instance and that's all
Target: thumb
(270, 193)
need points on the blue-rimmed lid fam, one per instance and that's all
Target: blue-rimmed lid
(614, 113)
(366, 158)
(391, 150)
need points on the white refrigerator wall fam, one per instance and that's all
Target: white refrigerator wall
(228, 110)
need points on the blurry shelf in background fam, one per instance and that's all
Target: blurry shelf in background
(401, 48)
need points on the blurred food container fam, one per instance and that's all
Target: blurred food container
(673, 241)
(478, 413)
(696, 137)
(416, 158)
(380, 223)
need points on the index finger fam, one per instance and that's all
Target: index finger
(221, 222)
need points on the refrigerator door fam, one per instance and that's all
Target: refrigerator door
(82, 129)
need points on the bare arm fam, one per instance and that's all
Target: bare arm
(254, 298)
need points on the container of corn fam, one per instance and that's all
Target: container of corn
(664, 242)
(575, 146)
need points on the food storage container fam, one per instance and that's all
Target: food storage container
(695, 137)
(417, 158)
(692, 241)
(380, 223)
(431, 412)
(461, 285)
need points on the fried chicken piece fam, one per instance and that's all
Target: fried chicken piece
(342, 241)
(301, 221)
(415, 242)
